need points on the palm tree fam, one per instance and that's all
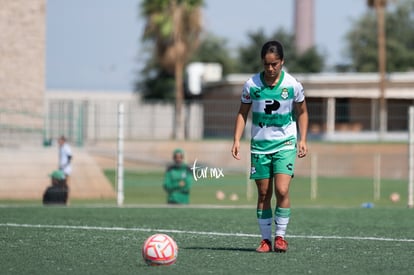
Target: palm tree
(380, 6)
(174, 26)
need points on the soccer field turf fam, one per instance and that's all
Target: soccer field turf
(146, 188)
(107, 240)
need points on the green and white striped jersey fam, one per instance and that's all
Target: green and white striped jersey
(273, 118)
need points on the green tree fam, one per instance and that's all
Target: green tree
(214, 49)
(173, 27)
(155, 83)
(249, 56)
(311, 61)
(362, 46)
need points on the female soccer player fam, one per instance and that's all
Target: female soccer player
(277, 101)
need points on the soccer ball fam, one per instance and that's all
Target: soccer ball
(160, 249)
(395, 197)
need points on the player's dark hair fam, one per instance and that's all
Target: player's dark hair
(272, 47)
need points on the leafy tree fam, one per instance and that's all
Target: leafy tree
(213, 49)
(159, 84)
(308, 62)
(173, 26)
(249, 56)
(156, 84)
(400, 29)
(362, 43)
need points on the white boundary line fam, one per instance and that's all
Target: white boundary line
(138, 229)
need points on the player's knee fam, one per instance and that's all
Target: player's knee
(282, 192)
(264, 196)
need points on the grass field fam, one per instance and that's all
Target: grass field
(331, 234)
(146, 188)
(107, 240)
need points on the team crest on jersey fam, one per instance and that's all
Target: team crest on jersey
(252, 170)
(285, 93)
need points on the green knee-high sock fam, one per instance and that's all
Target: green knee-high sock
(282, 216)
(264, 218)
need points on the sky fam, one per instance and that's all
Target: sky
(96, 44)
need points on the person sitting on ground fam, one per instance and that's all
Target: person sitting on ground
(178, 180)
(57, 192)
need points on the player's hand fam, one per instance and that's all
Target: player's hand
(302, 149)
(182, 183)
(235, 150)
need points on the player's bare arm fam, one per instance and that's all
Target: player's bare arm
(303, 120)
(240, 124)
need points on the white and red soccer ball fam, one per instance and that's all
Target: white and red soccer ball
(160, 249)
(395, 197)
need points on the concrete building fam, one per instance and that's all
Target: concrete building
(337, 102)
(22, 65)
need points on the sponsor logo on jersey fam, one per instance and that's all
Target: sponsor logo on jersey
(271, 105)
(246, 95)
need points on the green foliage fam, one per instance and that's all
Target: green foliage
(160, 86)
(309, 62)
(400, 30)
(155, 82)
(159, 17)
(362, 43)
(213, 49)
(249, 56)
(363, 46)
(171, 30)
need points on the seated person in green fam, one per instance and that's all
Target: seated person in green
(178, 180)
(57, 192)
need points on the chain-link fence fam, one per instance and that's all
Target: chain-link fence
(91, 128)
(86, 120)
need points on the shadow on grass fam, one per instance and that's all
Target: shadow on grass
(219, 248)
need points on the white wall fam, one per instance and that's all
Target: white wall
(95, 114)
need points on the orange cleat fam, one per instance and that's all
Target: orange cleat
(265, 246)
(281, 244)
